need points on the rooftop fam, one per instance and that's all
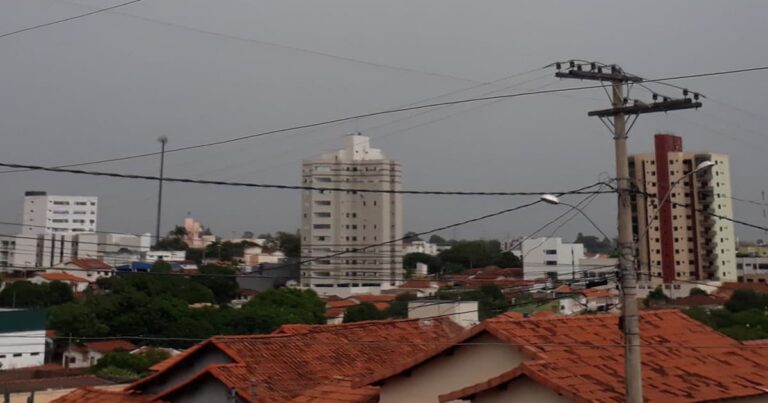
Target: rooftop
(90, 264)
(62, 277)
(298, 358)
(93, 395)
(108, 346)
(582, 358)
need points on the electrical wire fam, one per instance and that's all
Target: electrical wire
(48, 24)
(285, 187)
(403, 109)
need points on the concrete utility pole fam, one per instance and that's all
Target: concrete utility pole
(162, 140)
(630, 323)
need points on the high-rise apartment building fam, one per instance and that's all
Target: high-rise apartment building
(50, 228)
(48, 214)
(686, 241)
(344, 220)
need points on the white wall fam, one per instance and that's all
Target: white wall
(30, 345)
(541, 255)
(464, 313)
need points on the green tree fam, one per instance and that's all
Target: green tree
(59, 293)
(433, 262)
(411, 236)
(361, 312)
(507, 259)
(133, 363)
(437, 239)
(76, 319)
(161, 266)
(289, 244)
(23, 294)
(697, 291)
(656, 298)
(288, 305)
(469, 254)
(742, 300)
(247, 235)
(220, 280)
(399, 307)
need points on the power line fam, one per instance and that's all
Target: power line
(48, 24)
(287, 187)
(403, 109)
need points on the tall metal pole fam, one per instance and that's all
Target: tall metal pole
(629, 317)
(162, 140)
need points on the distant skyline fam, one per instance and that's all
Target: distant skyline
(196, 71)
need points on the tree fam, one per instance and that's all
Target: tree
(247, 235)
(23, 294)
(507, 259)
(220, 280)
(161, 266)
(289, 244)
(411, 236)
(469, 254)
(399, 307)
(276, 307)
(432, 262)
(697, 291)
(655, 298)
(361, 312)
(742, 300)
(138, 364)
(437, 239)
(76, 319)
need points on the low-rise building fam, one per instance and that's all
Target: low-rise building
(463, 313)
(22, 338)
(752, 269)
(576, 301)
(89, 269)
(420, 247)
(76, 283)
(88, 354)
(551, 257)
(165, 255)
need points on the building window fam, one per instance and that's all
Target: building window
(550, 252)
(321, 226)
(551, 262)
(323, 214)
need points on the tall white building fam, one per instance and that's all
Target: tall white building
(48, 214)
(343, 220)
(50, 225)
(542, 256)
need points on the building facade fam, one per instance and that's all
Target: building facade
(7, 249)
(346, 220)
(684, 238)
(544, 256)
(22, 338)
(50, 224)
(752, 269)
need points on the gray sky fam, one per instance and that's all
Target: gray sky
(201, 70)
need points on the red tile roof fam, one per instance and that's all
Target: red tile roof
(108, 346)
(698, 300)
(62, 277)
(339, 391)
(295, 359)
(90, 264)
(64, 382)
(582, 358)
(93, 395)
(372, 298)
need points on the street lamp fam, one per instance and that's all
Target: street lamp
(552, 199)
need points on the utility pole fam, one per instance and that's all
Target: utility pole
(162, 140)
(615, 119)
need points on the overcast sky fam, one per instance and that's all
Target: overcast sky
(201, 70)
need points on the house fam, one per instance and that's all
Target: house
(335, 309)
(22, 338)
(579, 358)
(463, 313)
(293, 362)
(575, 301)
(88, 354)
(256, 255)
(77, 284)
(421, 287)
(89, 269)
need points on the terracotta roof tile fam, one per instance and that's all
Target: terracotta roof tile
(62, 277)
(582, 357)
(372, 298)
(93, 395)
(90, 264)
(339, 391)
(296, 358)
(107, 346)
